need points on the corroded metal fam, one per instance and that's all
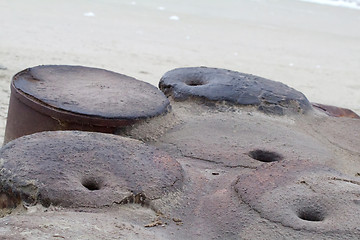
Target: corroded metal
(220, 170)
(83, 169)
(233, 87)
(336, 111)
(60, 97)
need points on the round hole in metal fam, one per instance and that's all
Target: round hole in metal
(265, 156)
(194, 82)
(311, 215)
(91, 184)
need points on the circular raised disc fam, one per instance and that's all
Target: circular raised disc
(90, 91)
(233, 87)
(75, 169)
(303, 195)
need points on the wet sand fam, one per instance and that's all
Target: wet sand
(313, 48)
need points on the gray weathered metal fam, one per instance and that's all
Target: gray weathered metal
(218, 85)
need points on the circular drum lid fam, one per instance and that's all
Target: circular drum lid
(85, 169)
(88, 92)
(233, 87)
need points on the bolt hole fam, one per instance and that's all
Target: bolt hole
(311, 215)
(91, 184)
(265, 156)
(195, 82)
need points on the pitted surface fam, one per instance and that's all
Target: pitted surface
(91, 91)
(303, 195)
(243, 175)
(75, 169)
(233, 87)
(229, 138)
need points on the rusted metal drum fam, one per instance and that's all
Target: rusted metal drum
(56, 97)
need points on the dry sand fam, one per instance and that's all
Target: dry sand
(313, 48)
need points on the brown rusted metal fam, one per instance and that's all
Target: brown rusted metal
(336, 111)
(78, 98)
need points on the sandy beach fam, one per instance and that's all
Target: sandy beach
(312, 48)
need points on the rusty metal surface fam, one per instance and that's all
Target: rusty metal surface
(226, 171)
(233, 87)
(75, 169)
(90, 91)
(24, 119)
(336, 111)
(48, 98)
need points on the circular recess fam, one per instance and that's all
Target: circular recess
(265, 156)
(194, 82)
(91, 184)
(312, 215)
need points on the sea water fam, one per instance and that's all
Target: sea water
(355, 4)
